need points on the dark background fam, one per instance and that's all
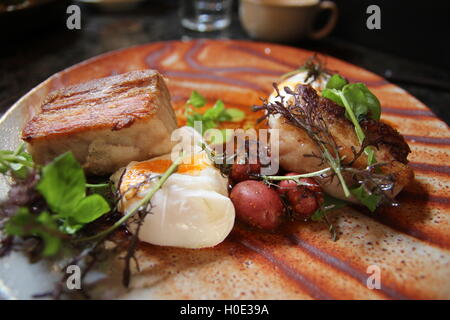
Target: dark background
(418, 30)
(411, 49)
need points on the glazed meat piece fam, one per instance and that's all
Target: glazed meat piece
(106, 123)
(297, 146)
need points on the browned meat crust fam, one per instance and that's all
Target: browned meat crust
(312, 119)
(109, 103)
(105, 123)
(379, 133)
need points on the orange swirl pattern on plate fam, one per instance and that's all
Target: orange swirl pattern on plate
(410, 244)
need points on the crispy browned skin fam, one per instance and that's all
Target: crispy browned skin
(295, 143)
(106, 123)
(381, 134)
(114, 102)
(377, 133)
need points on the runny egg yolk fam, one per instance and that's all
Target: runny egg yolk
(195, 164)
(190, 210)
(137, 173)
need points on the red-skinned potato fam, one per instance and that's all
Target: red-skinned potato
(257, 204)
(303, 202)
(286, 185)
(304, 199)
(242, 172)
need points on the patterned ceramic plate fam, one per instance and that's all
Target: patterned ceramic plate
(409, 244)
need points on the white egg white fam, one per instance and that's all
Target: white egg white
(191, 210)
(300, 78)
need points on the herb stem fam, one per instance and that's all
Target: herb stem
(173, 167)
(17, 159)
(359, 133)
(298, 176)
(19, 149)
(97, 185)
(336, 165)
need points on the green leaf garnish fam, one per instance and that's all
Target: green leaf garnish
(234, 115)
(371, 201)
(358, 102)
(362, 101)
(336, 82)
(214, 112)
(24, 224)
(212, 117)
(90, 208)
(63, 185)
(196, 100)
(192, 117)
(334, 95)
(142, 203)
(17, 162)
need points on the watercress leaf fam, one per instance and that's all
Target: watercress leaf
(214, 112)
(90, 208)
(334, 95)
(336, 82)
(23, 165)
(15, 225)
(373, 104)
(62, 183)
(234, 115)
(208, 124)
(196, 100)
(224, 116)
(213, 116)
(192, 118)
(70, 226)
(356, 99)
(371, 201)
(19, 170)
(362, 101)
(3, 168)
(17, 162)
(26, 155)
(52, 242)
(23, 223)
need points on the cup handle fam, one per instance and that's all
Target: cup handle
(331, 23)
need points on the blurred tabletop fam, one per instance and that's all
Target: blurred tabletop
(26, 60)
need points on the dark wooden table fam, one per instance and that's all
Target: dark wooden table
(25, 61)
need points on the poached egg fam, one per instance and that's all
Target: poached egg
(191, 210)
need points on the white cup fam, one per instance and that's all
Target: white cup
(285, 20)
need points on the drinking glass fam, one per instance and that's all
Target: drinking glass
(205, 15)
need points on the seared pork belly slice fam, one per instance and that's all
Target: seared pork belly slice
(296, 145)
(106, 123)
